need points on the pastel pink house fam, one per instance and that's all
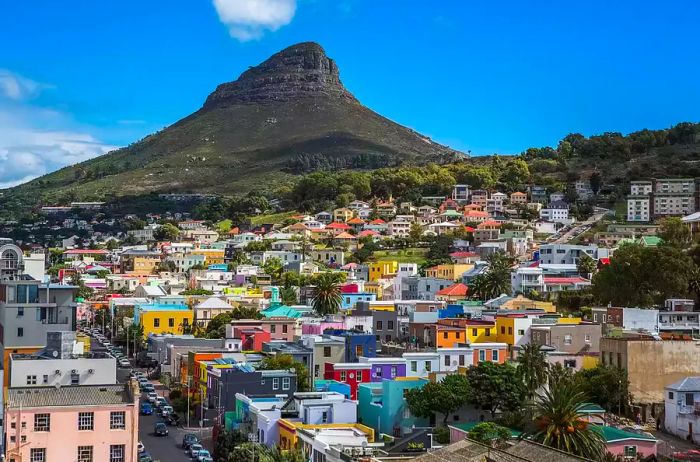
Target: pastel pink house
(96, 423)
(319, 327)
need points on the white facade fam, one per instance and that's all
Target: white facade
(421, 364)
(398, 228)
(638, 208)
(526, 279)
(556, 214)
(26, 371)
(640, 187)
(682, 406)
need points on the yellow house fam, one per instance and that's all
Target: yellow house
(342, 215)
(289, 438)
(145, 265)
(453, 272)
(480, 333)
(374, 288)
(163, 319)
(381, 269)
(522, 303)
(569, 320)
(211, 256)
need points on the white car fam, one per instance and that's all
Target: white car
(124, 362)
(194, 450)
(152, 397)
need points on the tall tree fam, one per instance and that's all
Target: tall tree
(561, 425)
(674, 232)
(607, 386)
(533, 367)
(326, 294)
(586, 265)
(166, 232)
(496, 387)
(287, 362)
(443, 397)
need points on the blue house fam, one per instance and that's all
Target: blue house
(451, 311)
(349, 300)
(382, 406)
(332, 385)
(357, 343)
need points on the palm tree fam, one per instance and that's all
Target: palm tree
(560, 423)
(533, 367)
(327, 298)
(477, 287)
(497, 277)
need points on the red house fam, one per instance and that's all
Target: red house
(252, 338)
(352, 374)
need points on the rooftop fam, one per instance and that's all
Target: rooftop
(86, 395)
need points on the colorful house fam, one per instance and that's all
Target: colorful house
(382, 406)
(385, 368)
(252, 337)
(453, 293)
(382, 269)
(157, 318)
(289, 431)
(351, 374)
(627, 444)
(452, 271)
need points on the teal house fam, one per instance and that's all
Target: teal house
(382, 405)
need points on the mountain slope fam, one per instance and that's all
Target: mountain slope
(286, 115)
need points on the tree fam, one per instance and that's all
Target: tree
(287, 362)
(561, 425)
(217, 326)
(82, 291)
(443, 397)
(166, 232)
(496, 387)
(559, 375)
(533, 367)
(515, 174)
(674, 232)
(596, 181)
(607, 386)
(226, 443)
(326, 294)
(415, 234)
(274, 268)
(496, 279)
(586, 265)
(288, 296)
(490, 434)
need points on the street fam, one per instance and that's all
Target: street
(580, 227)
(161, 448)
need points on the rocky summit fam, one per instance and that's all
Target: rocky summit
(300, 71)
(287, 116)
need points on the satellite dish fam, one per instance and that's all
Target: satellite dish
(54, 353)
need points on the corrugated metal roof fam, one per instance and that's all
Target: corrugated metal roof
(91, 395)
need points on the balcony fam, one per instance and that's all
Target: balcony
(687, 409)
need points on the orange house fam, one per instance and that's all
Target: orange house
(442, 336)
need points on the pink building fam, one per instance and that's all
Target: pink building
(280, 328)
(320, 327)
(96, 423)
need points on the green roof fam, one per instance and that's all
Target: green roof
(612, 434)
(650, 241)
(452, 213)
(590, 408)
(467, 427)
(282, 311)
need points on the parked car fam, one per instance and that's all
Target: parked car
(149, 388)
(160, 429)
(203, 454)
(206, 459)
(173, 419)
(188, 440)
(194, 449)
(146, 408)
(152, 397)
(145, 457)
(124, 362)
(160, 402)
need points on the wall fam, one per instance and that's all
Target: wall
(104, 371)
(670, 360)
(179, 316)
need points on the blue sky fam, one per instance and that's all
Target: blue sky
(80, 78)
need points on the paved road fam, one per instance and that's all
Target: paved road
(161, 448)
(570, 234)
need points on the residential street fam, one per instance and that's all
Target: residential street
(161, 448)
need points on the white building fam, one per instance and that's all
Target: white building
(527, 279)
(639, 208)
(398, 228)
(557, 212)
(682, 405)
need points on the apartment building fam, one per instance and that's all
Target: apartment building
(84, 423)
(662, 197)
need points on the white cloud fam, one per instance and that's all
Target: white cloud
(249, 19)
(35, 140)
(15, 87)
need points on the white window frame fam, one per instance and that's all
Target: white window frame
(117, 420)
(117, 453)
(85, 453)
(275, 383)
(85, 420)
(37, 455)
(286, 383)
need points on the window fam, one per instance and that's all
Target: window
(444, 334)
(447, 360)
(510, 331)
(378, 373)
(84, 453)
(42, 422)
(567, 339)
(275, 383)
(273, 329)
(284, 328)
(86, 421)
(317, 370)
(324, 417)
(521, 331)
(461, 360)
(379, 325)
(393, 371)
(503, 330)
(20, 332)
(494, 356)
(630, 452)
(475, 332)
(116, 453)
(31, 380)
(171, 322)
(482, 355)
(670, 395)
(75, 379)
(45, 379)
(156, 323)
(343, 376)
(428, 366)
(414, 366)
(326, 352)
(286, 383)
(358, 350)
(689, 399)
(20, 312)
(488, 332)
(117, 420)
(587, 338)
(359, 376)
(37, 455)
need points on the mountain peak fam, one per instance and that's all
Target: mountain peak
(299, 71)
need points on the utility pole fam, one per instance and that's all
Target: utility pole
(188, 401)
(127, 342)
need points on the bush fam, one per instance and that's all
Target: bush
(442, 435)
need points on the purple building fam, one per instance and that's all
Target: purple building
(385, 368)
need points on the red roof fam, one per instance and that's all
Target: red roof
(455, 290)
(355, 221)
(475, 213)
(565, 280)
(469, 229)
(378, 221)
(489, 223)
(345, 235)
(604, 261)
(85, 252)
(463, 254)
(337, 226)
(368, 232)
